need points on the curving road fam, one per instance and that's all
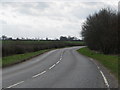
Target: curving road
(61, 68)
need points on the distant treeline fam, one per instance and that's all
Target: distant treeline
(100, 31)
(62, 38)
(11, 47)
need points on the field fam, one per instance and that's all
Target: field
(109, 61)
(18, 51)
(21, 47)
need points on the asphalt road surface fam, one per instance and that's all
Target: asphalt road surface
(60, 68)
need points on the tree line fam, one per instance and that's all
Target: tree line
(62, 38)
(100, 31)
(12, 46)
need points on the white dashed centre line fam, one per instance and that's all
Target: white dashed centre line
(15, 84)
(60, 58)
(39, 74)
(36, 74)
(57, 62)
(52, 66)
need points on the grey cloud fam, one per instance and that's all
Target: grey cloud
(35, 5)
(51, 23)
(42, 5)
(83, 12)
(3, 22)
(25, 7)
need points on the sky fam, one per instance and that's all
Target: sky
(51, 19)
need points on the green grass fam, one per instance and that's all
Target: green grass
(9, 60)
(109, 61)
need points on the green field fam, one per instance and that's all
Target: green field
(109, 61)
(10, 60)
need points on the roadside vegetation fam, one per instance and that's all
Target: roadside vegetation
(109, 61)
(18, 50)
(14, 59)
(10, 47)
(100, 33)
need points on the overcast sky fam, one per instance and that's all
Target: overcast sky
(47, 19)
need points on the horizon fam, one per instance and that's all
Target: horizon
(34, 38)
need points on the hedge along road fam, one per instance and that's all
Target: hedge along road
(60, 68)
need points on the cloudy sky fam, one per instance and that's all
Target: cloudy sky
(47, 19)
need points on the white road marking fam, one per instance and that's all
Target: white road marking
(60, 58)
(91, 59)
(39, 74)
(96, 64)
(15, 84)
(105, 80)
(57, 62)
(98, 67)
(52, 66)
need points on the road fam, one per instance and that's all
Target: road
(60, 68)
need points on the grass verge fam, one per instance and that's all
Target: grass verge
(14, 59)
(109, 61)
